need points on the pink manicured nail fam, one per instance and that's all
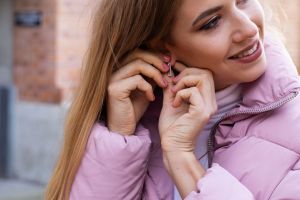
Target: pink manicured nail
(173, 89)
(153, 98)
(166, 67)
(175, 79)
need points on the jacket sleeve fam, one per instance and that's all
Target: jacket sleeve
(219, 184)
(113, 166)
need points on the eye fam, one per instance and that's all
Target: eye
(239, 2)
(212, 23)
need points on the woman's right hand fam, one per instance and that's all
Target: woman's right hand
(129, 93)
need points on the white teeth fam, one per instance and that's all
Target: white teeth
(249, 52)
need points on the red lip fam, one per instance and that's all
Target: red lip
(250, 58)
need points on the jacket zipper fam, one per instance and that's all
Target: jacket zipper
(275, 105)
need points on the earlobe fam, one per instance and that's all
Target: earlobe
(170, 49)
(165, 49)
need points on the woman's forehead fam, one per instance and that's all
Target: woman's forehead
(201, 4)
(189, 9)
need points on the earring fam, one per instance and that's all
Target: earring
(170, 74)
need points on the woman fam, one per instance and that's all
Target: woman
(137, 131)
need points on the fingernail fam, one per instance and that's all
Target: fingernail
(166, 67)
(173, 89)
(153, 98)
(175, 79)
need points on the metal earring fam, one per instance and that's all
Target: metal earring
(170, 74)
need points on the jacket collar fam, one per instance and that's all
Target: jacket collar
(279, 80)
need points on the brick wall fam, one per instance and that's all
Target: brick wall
(47, 59)
(34, 54)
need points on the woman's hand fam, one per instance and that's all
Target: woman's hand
(131, 89)
(189, 102)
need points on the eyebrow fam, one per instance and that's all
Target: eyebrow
(207, 13)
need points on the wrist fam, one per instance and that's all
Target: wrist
(184, 160)
(185, 170)
(170, 145)
(121, 130)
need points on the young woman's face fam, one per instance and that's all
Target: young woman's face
(223, 36)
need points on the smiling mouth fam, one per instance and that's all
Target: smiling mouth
(247, 52)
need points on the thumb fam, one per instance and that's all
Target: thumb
(167, 92)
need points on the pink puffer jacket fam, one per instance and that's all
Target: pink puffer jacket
(256, 148)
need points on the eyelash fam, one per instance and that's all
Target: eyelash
(214, 22)
(242, 2)
(211, 24)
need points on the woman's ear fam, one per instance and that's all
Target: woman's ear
(171, 50)
(164, 48)
(157, 45)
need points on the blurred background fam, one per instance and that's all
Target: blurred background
(42, 45)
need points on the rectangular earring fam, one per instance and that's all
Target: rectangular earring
(170, 74)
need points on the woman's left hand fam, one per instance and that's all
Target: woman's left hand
(189, 102)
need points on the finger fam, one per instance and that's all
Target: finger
(180, 67)
(190, 71)
(123, 88)
(157, 60)
(200, 78)
(204, 83)
(207, 87)
(186, 72)
(189, 95)
(188, 81)
(209, 95)
(140, 67)
(167, 93)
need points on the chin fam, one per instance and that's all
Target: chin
(257, 71)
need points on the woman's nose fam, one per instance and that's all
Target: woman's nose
(244, 29)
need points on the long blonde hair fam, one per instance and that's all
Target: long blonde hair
(119, 27)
